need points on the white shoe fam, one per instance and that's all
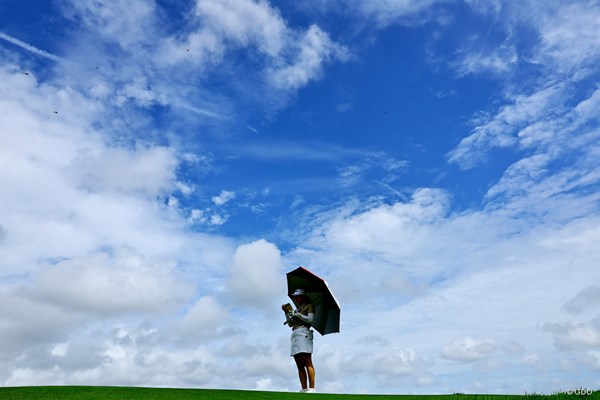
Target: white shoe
(303, 390)
(311, 390)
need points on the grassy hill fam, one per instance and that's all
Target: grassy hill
(137, 393)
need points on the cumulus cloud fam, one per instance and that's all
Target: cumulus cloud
(386, 364)
(470, 270)
(203, 319)
(292, 57)
(245, 22)
(254, 276)
(150, 170)
(99, 284)
(575, 336)
(469, 349)
(93, 194)
(29, 322)
(314, 49)
(223, 198)
(91, 239)
(371, 228)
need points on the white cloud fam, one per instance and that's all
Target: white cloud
(568, 34)
(87, 239)
(311, 151)
(377, 226)
(356, 173)
(105, 282)
(499, 60)
(579, 335)
(590, 107)
(387, 363)
(313, 50)
(137, 61)
(499, 130)
(469, 349)
(71, 192)
(564, 33)
(196, 215)
(292, 57)
(439, 260)
(521, 176)
(245, 22)
(539, 118)
(127, 23)
(123, 284)
(203, 319)
(223, 198)
(457, 273)
(387, 12)
(218, 219)
(149, 170)
(27, 322)
(254, 276)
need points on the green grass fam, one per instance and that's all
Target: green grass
(137, 393)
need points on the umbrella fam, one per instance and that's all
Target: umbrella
(327, 308)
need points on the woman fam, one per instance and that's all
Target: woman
(302, 339)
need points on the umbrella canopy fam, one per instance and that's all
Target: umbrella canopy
(327, 308)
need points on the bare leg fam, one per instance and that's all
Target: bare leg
(311, 372)
(301, 369)
(306, 360)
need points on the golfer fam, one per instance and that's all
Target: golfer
(302, 339)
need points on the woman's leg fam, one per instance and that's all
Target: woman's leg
(301, 369)
(310, 369)
(305, 369)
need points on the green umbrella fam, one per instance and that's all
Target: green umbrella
(327, 308)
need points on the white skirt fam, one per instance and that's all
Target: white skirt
(302, 341)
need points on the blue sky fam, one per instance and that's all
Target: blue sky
(163, 165)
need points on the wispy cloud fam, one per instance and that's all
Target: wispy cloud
(295, 150)
(497, 61)
(500, 130)
(142, 63)
(29, 47)
(385, 13)
(568, 34)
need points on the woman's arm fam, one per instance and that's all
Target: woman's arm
(288, 314)
(305, 318)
